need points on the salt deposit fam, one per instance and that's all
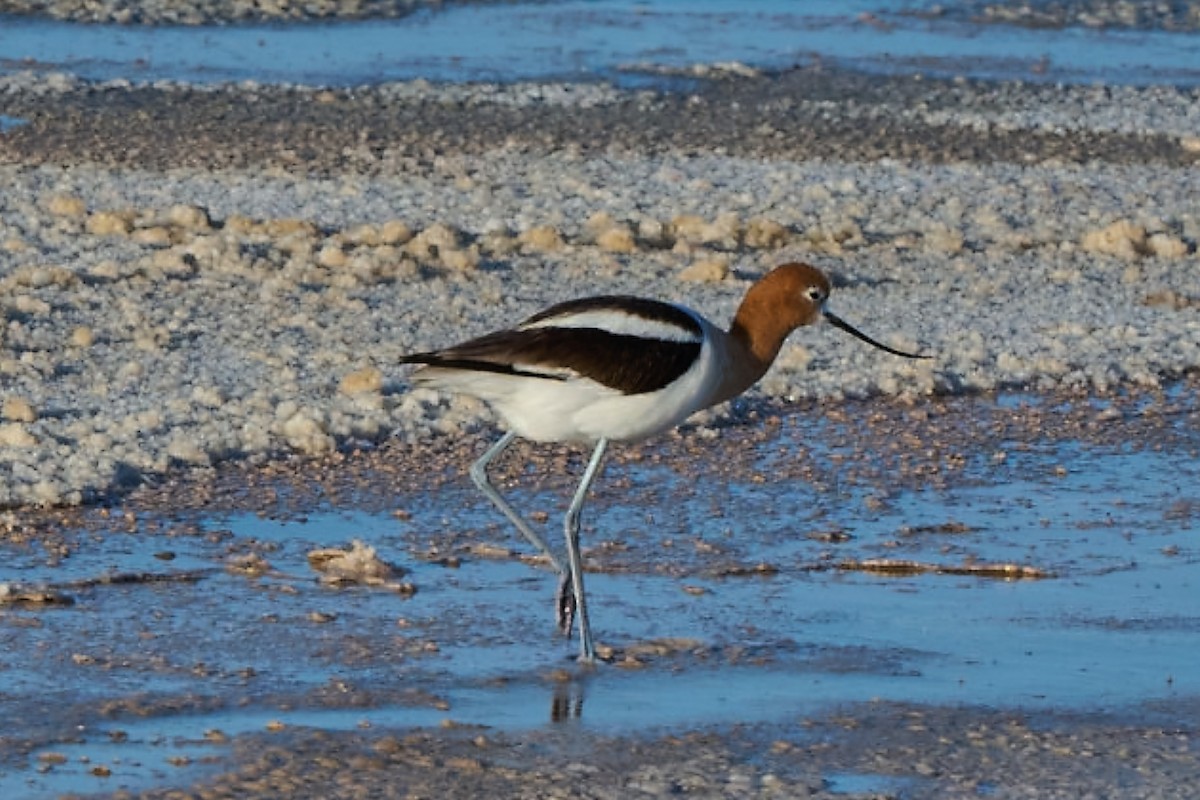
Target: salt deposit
(176, 317)
(156, 321)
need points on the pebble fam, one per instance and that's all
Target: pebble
(711, 270)
(362, 381)
(357, 564)
(17, 409)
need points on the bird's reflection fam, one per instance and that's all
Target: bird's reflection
(567, 702)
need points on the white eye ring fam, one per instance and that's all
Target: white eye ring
(815, 294)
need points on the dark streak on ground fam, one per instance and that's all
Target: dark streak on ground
(364, 131)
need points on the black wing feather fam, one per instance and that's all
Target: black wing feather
(630, 364)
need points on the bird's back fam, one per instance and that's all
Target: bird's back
(614, 367)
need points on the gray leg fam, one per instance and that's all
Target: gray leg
(587, 651)
(480, 476)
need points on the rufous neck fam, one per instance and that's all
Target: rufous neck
(753, 346)
(780, 302)
(762, 322)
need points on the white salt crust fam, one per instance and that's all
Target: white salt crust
(155, 321)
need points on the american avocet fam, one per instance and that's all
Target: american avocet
(620, 368)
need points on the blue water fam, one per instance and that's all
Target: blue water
(616, 40)
(1116, 624)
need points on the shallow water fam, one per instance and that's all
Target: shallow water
(620, 40)
(137, 672)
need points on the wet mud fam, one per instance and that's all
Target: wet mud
(974, 595)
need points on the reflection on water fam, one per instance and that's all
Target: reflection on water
(567, 703)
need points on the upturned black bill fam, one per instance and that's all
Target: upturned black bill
(838, 322)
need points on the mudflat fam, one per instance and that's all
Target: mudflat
(204, 292)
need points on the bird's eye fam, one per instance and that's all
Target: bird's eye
(815, 294)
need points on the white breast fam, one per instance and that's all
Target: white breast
(583, 410)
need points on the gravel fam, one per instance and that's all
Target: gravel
(243, 289)
(1133, 15)
(798, 115)
(1111, 14)
(183, 12)
(934, 753)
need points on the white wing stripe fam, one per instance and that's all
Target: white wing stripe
(619, 322)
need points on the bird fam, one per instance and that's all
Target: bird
(619, 368)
